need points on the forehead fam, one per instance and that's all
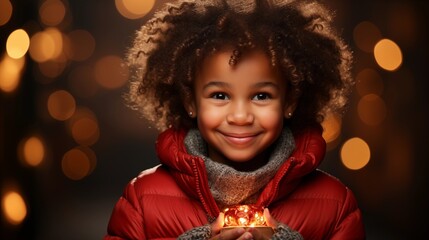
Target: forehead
(253, 64)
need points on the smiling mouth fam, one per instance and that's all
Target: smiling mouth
(239, 139)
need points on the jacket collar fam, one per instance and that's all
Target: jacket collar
(190, 172)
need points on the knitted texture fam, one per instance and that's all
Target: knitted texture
(283, 232)
(203, 232)
(229, 186)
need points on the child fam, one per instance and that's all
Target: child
(239, 89)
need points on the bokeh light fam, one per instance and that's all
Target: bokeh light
(14, 207)
(10, 73)
(32, 151)
(83, 127)
(366, 35)
(61, 105)
(369, 81)
(52, 12)
(110, 73)
(46, 45)
(52, 69)
(331, 128)
(81, 45)
(17, 44)
(372, 110)
(134, 9)
(355, 153)
(6, 11)
(78, 163)
(388, 55)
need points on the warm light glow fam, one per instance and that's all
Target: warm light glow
(369, 81)
(78, 163)
(355, 153)
(10, 73)
(82, 45)
(52, 69)
(388, 55)
(133, 9)
(244, 215)
(110, 73)
(6, 11)
(61, 105)
(17, 44)
(366, 35)
(32, 151)
(46, 45)
(14, 207)
(52, 12)
(83, 127)
(372, 109)
(331, 127)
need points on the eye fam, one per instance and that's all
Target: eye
(219, 96)
(261, 96)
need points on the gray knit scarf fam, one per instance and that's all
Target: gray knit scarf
(229, 186)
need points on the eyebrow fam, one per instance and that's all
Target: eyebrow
(215, 84)
(266, 84)
(257, 85)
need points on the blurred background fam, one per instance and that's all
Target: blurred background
(69, 145)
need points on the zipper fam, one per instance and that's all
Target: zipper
(283, 173)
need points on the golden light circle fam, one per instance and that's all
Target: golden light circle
(6, 11)
(110, 73)
(369, 81)
(10, 73)
(331, 127)
(46, 45)
(372, 110)
(52, 12)
(78, 163)
(388, 55)
(355, 153)
(52, 69)
(17, 44)
(14, 207)
(61, 105)
(33, 151)
(82, 45)
(366, 35)
(134, 9)
(83, 127)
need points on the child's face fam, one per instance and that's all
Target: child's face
(240, 109)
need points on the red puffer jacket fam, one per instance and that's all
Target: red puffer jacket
(167, 200)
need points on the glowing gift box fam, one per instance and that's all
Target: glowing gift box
(246, 216)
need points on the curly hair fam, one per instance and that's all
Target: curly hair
(297, 37)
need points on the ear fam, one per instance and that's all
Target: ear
(190, 107)
(289, 109)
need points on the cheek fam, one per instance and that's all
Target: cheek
(209, 117)
(270, 118)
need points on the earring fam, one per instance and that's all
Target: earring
(191, 114)
(289, 114)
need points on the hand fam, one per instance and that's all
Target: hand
(271, 222)
(236, 233)
(264, 235)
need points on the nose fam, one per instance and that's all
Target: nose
(240, 114)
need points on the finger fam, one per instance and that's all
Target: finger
(245, 236)
(269, 219)
(256, 234)
(232, 234)
(260, 235)
(217, 225)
